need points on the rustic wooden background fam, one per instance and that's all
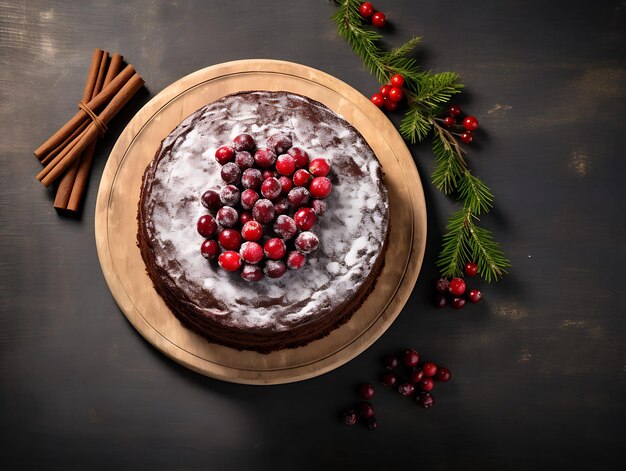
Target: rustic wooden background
(538, 368)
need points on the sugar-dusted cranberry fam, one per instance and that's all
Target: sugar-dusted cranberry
(320, 187)
(391, 362)
(263, 211)
(319, 167)
(285, 164)
(426, 400)
(302, 178)
(280, 142)
(206, 225)
(231, 173)
(274, 268)
(306, 242)
(224, 154)
(372, 423)
(244, 217)
(248, 198)
(209, 249)
(285, 227)
(265, 157)
(410, 358)
(319, 206)
(244, 159)
(389, 379)
(243, 142)
(251, 252)
(281, 205)
(230, 239)
(441, 301)
(427, 384)
(470, 269)
(251, 178)
(429, 368)
(366, 410)
(366, 391)
(267, 173)
(286, 184)
(305, 218)
(275, 248)
(252, 230)
(458, 303)
(227, 216)
(230, 195)
(443, 374)
(251, 272)
(271, 188)
(349, 418)
(457, 287)
(406, 389)
(211, 199)
(295, 260)
(416, 375)
(474, 296)
(229, 260)
(298, 196)
(300, 156)
(442, 285)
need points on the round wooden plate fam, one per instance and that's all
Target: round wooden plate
(124, 270)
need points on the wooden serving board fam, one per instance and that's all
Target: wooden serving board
(116, 224)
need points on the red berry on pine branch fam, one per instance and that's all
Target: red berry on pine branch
(397, 80)
(467, 137)
(470, 123)
(378, 99)
(449, 121)
(455, 111)
(384, 90)
(366, 10)
(379, 19)
(396, 94)
(390, 105)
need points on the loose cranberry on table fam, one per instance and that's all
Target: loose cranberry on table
(389, 379)
(275, 248)
(265, 157)
(206, 226)
(231, 173)
(225, 154)
(470, 269)
(274, 268)
(251, 272)
(410, 358)
(305, 218)
(248, 198)
(209, 249)
(227, 216)
(429, 368)
(426, 400)
(366, 410)
(244, 159)
(302, 178)
(319, 206)
(286, 184)
(306, 242)
(456, 287)
(391, 362)
(229, 239)
(229, 260)
(285, 227)
(252, 230)
(474, 296)
(349, 417)
(243, 142)
(285, 164)
(372, 423)
(457, 303)
(406, 389)
(319, 167)
(281, 205)
(271, 188)
(320, 187)
(470, 123)
(396, 94)
(295, 260)
(263, 211)
(279, 142)
(366, 10)
(379, 19)
(441, 301)
(300, 157)
(443, 375)
(467, 137)
(298, 197)
(251, 178)
(416, 375)
(366, 391)
(211, 199)
(251, 252)
(245, 217)
(230, 195)
(427, 384)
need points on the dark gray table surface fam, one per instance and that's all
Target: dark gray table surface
(538, 368)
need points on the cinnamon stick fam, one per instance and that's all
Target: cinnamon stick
(53, 153)
(55, 169)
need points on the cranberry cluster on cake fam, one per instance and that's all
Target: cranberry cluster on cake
(308, 288)
(265, 212)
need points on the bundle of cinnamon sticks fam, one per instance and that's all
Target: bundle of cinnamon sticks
(67, 155)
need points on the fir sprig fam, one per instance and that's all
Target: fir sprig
(426, 94)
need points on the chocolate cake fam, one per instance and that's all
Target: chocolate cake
(274, 313)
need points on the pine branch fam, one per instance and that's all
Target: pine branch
(405, 49)
(477, 197)
(415, 126)
(491, 261)
(449, 169)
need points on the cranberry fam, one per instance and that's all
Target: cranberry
(389, 379)
(227, 216)
(416, 375)
(285, 227)
(471, 269)
(302, 177)
(251, 272)
(230, 239)
(295, 260)
(378, 99)
(252, 230)
(449, 121)
(406, 389)
(429, 368)
(300, 156)
(209, 249)
(467, 137)
(244, 159)
(320, 187)
(470, 123)
(251, 178)
(372, 423)
(349, 418)
(224, 154)
(265, 157)
(285, 164)
(366, 10)
(305, 218)
(319, 167)
(319, 206)
(379, 19)
(455, 111)
(285, 183)
(269, 174)
(457, 287)
(396, 94)
(230, 195)
(275, 268)
(243, 142)
(280, 143)
(441, 301)
(229, 260)
(206, 225)
(426, 400)
(281, 205)
(391, 362)
(442, 285)
(443, 375)
(245, 217)
(251, 252)
(298, 197)
(366, 410)
(427, 384)
(211, 199)
(384, 90)
(366, 391)
(306, 242)
(248, 198)
(457, 303)
(397, 80)
(231, 173)
(410, 358)
(474, 296)
(271, 188)
(263, 211)
(390, 105)
(275, 248)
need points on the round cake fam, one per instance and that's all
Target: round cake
(300, 305)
